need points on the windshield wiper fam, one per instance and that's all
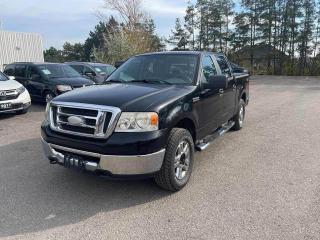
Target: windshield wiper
(114, 81)
(152, 81)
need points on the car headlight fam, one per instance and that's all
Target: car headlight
(64, 88)
(21, 89)
(47, 112)
(137, 122)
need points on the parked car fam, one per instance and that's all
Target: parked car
(97, 72)
(44, 81)
(13, 96)
(149, 117)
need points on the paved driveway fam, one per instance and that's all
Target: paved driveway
(260, 183)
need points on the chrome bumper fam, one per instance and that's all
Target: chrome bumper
(115, 164)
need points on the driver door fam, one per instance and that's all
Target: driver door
(34, 83)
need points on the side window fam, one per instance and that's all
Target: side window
(208, 69)
(88, 70)
(21, 71)
(9, 71)
(78, 68)
(225, 69)
(32, 71)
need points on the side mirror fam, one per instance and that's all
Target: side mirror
(11, 77)
(217, 82)
(35, 76)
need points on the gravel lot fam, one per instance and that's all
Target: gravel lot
(260, 183)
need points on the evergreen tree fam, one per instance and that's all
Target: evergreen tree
(179, 37)
(190, 24)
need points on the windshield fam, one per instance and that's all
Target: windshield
(158, 68)
(104, 70)
(3, 77)
(58, 71)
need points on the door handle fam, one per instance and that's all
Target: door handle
(221, 91)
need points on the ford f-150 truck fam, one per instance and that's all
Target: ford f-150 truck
(149, 118)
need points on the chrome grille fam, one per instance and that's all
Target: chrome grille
(8, 95)
(87, 120)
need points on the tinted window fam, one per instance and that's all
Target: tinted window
(223, 65)
(3, 77)
(9, 70)
(32, 71)
(20, 70)
(58, 71)
(88, 70)
(78, 68)
(170, 68)
(208, 69)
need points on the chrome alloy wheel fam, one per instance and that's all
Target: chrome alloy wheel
(182, 160)
(49, 97)
(241, 115)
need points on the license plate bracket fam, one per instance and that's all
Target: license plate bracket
(5, 106)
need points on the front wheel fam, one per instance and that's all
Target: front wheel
(48, 97)
(178, 162)
(239, 118)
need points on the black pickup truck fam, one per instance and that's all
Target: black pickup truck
(149, 118)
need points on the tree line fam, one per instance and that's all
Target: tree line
(280, 35)
(265, 36)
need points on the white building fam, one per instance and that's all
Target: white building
(20, 47)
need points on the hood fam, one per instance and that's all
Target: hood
(127, 97)
(9, 85)
(76, 81)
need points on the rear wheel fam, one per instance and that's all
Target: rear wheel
(178, 162)
(239, 118)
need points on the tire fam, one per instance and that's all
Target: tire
(239, 118)
(24, 111)
(178, 161)
(48, 96)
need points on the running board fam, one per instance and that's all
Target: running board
(205, 143)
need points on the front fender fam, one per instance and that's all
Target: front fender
(173, 114)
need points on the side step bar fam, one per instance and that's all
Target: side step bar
(205, 143)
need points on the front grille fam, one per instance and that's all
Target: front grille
(83, 119)
(8, 95)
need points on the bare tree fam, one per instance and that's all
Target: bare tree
(130, 11)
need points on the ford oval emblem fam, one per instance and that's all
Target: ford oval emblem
(77, 121)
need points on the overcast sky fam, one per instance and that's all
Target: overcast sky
(59, 21)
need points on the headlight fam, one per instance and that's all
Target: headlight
(137, 122)
(47, 112)
(21, 89)
(64, 88)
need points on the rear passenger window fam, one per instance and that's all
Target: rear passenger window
(9, 71)
(21, 70)
(208, 69)
(78, 68)
(224, 66)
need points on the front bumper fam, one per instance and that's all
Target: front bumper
(22, 102)
(114, 164)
